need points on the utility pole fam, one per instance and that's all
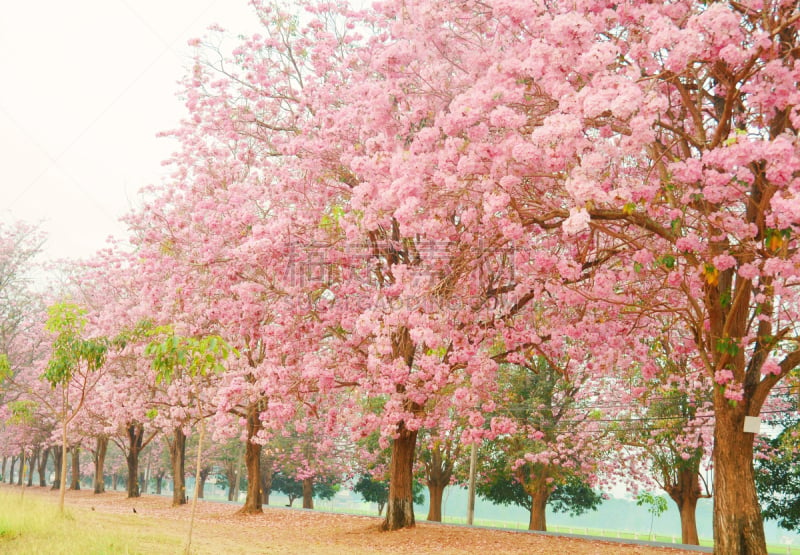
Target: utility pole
(473, 463)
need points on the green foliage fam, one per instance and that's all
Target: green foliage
(574, 496)
(22, 412)
(372, 490)
(5, 368)
(174, 354)
(142, 329)
(667, 260)
(778, 479)
(727, 345)
(656, 505)
(331, 221)
(67, 321)
(325, 487)
(539, 394)
(377, 491)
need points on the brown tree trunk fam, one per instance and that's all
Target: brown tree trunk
(3, 473)
(11, 470)
(32, 466)
(21, 473)
(539, 496)
(203, 477)
(177, 455)
(400, 505)
(99, 463)
(438, 470)
(435, 495)
(266, 480)
(738, 528)
(43, 466)
(135, 440)
(114, 480)
(159, 480)
(58, 454)
(252, 460)
(308, 493)
(232, 476)
(75, 484)
(688, 511)
(685, 492)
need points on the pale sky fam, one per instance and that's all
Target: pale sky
(86, 86)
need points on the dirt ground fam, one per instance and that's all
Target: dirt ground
(218, 529)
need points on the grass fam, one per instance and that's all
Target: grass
(29, 526)
(32, 525)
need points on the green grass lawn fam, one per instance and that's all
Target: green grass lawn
(28, 525)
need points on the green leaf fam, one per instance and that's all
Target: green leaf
(667, 260)
(5, 368)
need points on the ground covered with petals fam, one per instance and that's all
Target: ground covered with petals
(218, 529)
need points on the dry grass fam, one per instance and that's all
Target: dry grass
(156, 527)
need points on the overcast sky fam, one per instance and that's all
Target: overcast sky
(86, 86)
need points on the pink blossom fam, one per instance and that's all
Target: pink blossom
(723, 262)
(748, 271)
(771, 366)
(577, 222)
(722, 377)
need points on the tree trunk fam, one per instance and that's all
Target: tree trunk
(203, 477)
(114, 480)
(438, 470)
(135, 440)
(266, 480)
(11, 470)
(45, 454)
(400, 505)
(147, 475)
(58, 454)
(738, 528)
(62, 489)
(688, 510)
(435, 494)
(99, 463)
(75, 484)
(539, 497)
(231, 475)
(3, 473)
(159, 480)
(238, 482)
(21, 473)
(308, 493)
(33, 465)
(177, 455)
(685, 493)
(252, 460)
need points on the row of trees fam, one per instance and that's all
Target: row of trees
(568, 231)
